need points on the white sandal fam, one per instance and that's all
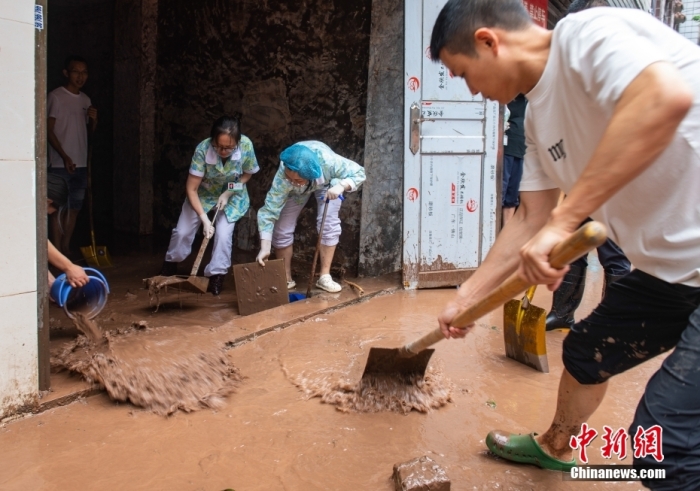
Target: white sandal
(325, 282)
(291, 284)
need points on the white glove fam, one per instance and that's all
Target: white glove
(223, 199)
(207, 227)
(335, 191)
(264, 253)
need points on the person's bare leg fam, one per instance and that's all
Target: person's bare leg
(326, 254)
(286, 253)
(507, 214)
(575, 404)
(56, 231)
(69, 227)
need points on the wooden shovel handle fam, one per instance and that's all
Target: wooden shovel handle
(586, 238)
(202, 248)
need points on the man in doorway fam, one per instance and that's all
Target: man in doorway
(70, 112)
(613, 120)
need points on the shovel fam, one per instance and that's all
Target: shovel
(413, 358)
(524, 332)
(95, 256)
(191, 283)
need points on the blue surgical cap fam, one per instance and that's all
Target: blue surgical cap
(301, 160)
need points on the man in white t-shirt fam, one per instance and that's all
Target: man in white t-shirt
(69, 113)
(613, 120)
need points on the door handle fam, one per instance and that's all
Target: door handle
(415, 115)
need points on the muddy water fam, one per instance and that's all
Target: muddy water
(89, 328)
(269, 435)
(377, 393)
(153, 369)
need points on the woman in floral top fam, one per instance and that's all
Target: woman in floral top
(220, 168)
(306, 168)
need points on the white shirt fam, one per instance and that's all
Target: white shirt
(595, 55)
(70, 111)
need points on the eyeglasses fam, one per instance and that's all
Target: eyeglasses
(296, 182)
(225, 149)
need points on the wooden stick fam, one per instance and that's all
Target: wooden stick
(318, 248)
(357, 287)
(586, 238)
(205, 242)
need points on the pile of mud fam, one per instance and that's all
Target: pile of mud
(374, 394)
(159, 370)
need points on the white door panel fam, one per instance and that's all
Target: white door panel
(451, 171)
(450, 144)
(453, 110)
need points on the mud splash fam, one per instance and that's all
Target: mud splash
(159, 372)
(373, 394)
(89, 328)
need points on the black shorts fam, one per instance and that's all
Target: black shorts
(640, 317)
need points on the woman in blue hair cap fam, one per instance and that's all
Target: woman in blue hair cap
(306, 168)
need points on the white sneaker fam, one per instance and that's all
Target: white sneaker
(325, 282)
(291, 284)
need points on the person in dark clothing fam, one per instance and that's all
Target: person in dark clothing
(514, 151)
(567, 297)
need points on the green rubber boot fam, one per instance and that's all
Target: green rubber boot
(524, 449)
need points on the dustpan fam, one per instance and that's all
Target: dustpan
(191, 283)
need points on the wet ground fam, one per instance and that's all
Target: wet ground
(269, 436)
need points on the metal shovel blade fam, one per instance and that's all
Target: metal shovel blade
(526, 342)
(387, 361)
(96, 257)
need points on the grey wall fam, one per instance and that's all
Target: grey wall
(134, 103)
(382, 200)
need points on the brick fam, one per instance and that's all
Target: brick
(420, 474)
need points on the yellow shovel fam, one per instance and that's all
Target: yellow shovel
(96, 256)
(524, 332)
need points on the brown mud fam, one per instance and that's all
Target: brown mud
(270, 436)
(160, 374)
(379, 393)
(89, 328)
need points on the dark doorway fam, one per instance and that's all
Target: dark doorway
(86, 28)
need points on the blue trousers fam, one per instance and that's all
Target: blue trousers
(611, 257)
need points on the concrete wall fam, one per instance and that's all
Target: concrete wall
(18, 268)
(134, 106)
(297, 70)
(382, 200)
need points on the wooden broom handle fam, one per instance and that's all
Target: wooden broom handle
(586, 238)
(202, 248)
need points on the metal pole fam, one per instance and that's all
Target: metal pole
(40, 151)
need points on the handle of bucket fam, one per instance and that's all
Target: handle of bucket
(586, 238)
(99, 276)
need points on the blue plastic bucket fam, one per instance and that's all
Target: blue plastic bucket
(88, 300)
(294, 297)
